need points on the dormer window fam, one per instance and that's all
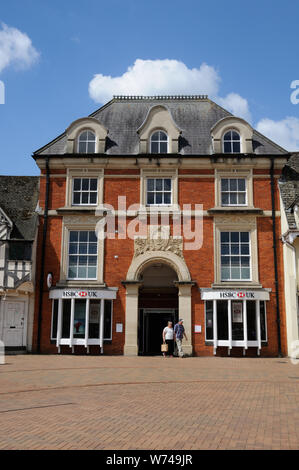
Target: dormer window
(87, 142)
(231, 142)
(159, 142)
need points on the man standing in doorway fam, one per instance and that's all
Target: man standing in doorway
(179, 332)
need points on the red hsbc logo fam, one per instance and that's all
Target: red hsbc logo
(82, 294)
(241, 295)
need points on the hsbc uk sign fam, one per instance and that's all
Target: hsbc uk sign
(215, 294)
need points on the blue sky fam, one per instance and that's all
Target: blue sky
(250, 50)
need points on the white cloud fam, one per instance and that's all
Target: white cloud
(16, 48)
(156, 77)
(236, 105)
(284, 132)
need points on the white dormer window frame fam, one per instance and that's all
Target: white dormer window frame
(159, 141)
(89, 140)
(232, 142)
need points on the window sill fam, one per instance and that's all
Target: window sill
(235, 210)
(76, 209)
(237, 285)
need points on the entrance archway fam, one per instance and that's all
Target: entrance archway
(157, 304)
(174, 274)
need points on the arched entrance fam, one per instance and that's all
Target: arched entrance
(142, 277)
(157, 304)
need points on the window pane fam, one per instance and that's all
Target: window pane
(85, 198)
(82, 272)
(222, 320)
(224, 249)
(163, 136)
(233, 198)
(83, 136)
(83, 248)
(251, 321)
(225, 260)
(209, 320)
(74, 236)
(76, 198)
(79, 319)
(83, 236)
(54, 319)
(227, 147)
(167, 185)
(91, 147)
(167, 198)
(154, 147)
(235, 249)
(244, 249)
(92, 272)
(107, 319)
(92, 236)
(242, 198)
(235, 261)
(85, 184)
(245, 261)
(163, 147)
(77, 184)
(159, 198)
(94, 319)
(93, 184)
(82, 147)
(234, 236)
(150, 184)
(224, 237)
(73, 260)
(224, 184)
(90, 135)
(241, 185)
(225, 273)
(93, 198)
(245, 273)
(235, 273)
(224, 199)
(150, 198)
(233, 185)
(235, 136)
(155, 136)
(244, 237)
(66, 319)
(159, 183)
(72, 272)
(73, 248)
(92, 261)
(263, 321)
(227, 136)
(236, 147)
(92, 248)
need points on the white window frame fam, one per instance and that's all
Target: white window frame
(160, 173)
(236, 192)
(105, 339)
(82, 191)
(219, 341)
(231, 141)
(235, 173)
(162, 191)
(86, 141)
(68, 258)
(239, 255)
(159, 142)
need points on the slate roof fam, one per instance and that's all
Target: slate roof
(122, 116)
(18, 199)
(289, 188)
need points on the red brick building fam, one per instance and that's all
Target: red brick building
(187, 194)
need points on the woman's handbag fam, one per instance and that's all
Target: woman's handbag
(164, 347)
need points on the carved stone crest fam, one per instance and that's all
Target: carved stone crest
(158, 240)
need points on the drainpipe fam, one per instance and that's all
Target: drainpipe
(42, 264)
(275, 257)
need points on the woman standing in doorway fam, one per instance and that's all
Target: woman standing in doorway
(168, 339)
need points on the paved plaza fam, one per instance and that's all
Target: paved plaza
(93, 402)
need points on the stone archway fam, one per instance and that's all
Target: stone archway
(132, 284)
